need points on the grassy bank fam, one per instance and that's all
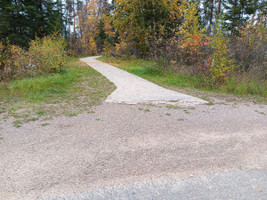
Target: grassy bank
(256, 91)
(70, 92)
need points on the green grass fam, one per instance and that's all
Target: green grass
(69, 93)
(45, 124)
(150, 71)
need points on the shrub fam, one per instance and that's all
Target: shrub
(221, 63)
(13, 61)
(48, 54)
(44, 56)
(249, 48)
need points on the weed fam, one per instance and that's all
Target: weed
(71, 114)
(168, 114)
(12, 109)
(180, 119)
(97, 119)
(40, 113)
(146, 110)
(18, 123)
(2, 110)
(91, 112)
(210, 103)
(191, 108)
(186, 112)
(140, 108)
(33, 119)
(262, 113)
(173, 107)
(45, 124)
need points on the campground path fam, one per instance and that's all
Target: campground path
(139, 151)
(132, 89)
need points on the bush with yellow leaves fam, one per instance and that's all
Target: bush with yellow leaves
(45, 55)
(13, 61)
(221, 62)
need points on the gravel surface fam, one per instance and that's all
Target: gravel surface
(123, 151)
(123, 144)
(132, 89)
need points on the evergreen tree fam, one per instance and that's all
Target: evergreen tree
(22, 20)
(238, 12)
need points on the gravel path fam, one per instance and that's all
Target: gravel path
(132, 89)
(139, 151)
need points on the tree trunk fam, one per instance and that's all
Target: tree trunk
(211, 16)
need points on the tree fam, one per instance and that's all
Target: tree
(238, 12)
(144, 24)
(22, 20)
(222, 63)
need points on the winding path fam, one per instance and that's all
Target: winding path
(132, 89)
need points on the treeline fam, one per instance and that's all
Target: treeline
(23, 20)
(212, 38)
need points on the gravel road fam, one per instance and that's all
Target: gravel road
(140, 151)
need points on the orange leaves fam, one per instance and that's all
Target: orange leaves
(197, 41)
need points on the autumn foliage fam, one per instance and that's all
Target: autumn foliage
(46, 55)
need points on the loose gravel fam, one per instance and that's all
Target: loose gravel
(121, 144)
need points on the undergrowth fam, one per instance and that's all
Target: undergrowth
(243, 86)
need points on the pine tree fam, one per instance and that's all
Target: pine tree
(239, 11)
(22, 20)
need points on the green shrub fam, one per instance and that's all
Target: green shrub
(48, 54)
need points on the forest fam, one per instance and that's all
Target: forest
(220, 42)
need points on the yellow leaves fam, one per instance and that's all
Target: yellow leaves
(108, 27)
(88, 18)
(144, 24)
(47, 52)
(191, 25)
